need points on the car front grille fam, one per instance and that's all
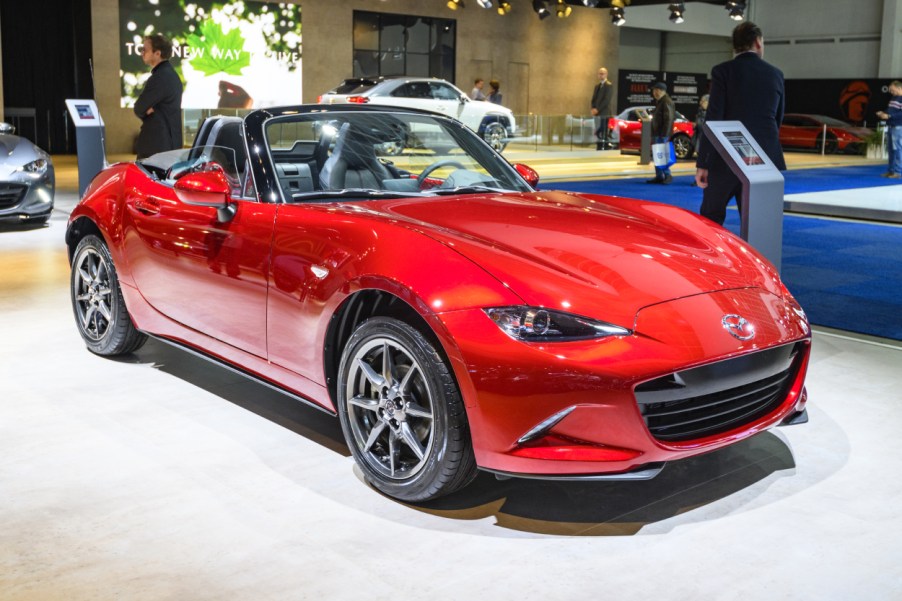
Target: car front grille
(715, 398)
(11, 194)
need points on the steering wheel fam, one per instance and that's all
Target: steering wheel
(436, 165)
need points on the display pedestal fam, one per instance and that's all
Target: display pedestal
(89, 137)
(761, 202)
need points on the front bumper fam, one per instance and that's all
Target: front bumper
(512, 388)
(24, 196)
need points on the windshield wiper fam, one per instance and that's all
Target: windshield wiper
(356, 193)
(464, 190)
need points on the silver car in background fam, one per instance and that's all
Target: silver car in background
(27, 181)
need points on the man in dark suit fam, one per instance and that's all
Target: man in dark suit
(160, 104)
(602, 99)
(749, 90)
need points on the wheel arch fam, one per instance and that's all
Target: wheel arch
(78, 229)
(357, 308)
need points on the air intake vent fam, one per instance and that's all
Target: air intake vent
(11, 195)
(718, 397)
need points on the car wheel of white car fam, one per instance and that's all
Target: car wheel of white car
(402, 413)
(100, 312)
(495, 135)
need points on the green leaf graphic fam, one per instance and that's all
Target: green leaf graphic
(223, 52)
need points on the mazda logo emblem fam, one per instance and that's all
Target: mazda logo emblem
(738, 327)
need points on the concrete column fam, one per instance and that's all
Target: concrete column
(891, 40)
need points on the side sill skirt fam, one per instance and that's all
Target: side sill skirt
(240, 372)
(643, 472)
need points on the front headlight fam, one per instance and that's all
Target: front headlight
(37, 167)
(537, 324)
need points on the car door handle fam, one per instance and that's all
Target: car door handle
(148, 206)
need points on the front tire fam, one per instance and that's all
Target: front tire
(402, 414)
(100, 313)
(496, 136)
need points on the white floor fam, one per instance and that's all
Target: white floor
(165, 478)
(882, 203)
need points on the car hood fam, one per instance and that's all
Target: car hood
(597, 256)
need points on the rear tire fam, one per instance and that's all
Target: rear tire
(829, 146)
(682, 146)
(100, 313)
(402, 413)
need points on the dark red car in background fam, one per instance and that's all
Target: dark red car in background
(627, 128)
(808, 131)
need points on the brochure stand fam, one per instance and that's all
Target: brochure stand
(89, 136)
(761, 202)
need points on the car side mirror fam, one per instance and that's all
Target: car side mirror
(464, 99)
(207, 189)
(528, 173)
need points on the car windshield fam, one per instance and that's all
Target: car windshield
(325, 155)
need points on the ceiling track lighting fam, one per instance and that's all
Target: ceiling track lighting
(617, 16)
(590, 3)
(541, 9)
(563, 10)
(455, 4)
(484, 3)
(677, 10)
(504, 8)
(736, 8)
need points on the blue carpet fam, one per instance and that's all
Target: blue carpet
(846, 275)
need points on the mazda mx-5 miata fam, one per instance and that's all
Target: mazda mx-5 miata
(26, 179)
(453, 317)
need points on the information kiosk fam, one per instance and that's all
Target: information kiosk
(89, 137)
(761, 202)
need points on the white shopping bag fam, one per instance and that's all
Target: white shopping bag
(663, 154)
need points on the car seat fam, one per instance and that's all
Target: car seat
(353, 163)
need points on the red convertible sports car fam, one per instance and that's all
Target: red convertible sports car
(451, 315)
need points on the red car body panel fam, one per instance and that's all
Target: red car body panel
(246, 292)
(806, 131)
(631, 132)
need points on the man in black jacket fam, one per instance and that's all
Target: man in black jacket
(160, 104)
(602, 98)
(662, 127)
(749, 90)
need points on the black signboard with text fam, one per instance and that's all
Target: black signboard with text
(634, 89)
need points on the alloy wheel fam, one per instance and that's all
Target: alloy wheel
(93, 294)
(390, 409)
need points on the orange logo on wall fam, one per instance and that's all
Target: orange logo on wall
(853, 100)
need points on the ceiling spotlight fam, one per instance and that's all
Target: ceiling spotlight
(541, 9)
(484, 3)
(736, 7)
(617, 17)
(504, 8)
(677, 10)
(455, 4)
(562, 9)
(590, 3)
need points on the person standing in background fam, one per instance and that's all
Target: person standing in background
(893, 117)
(494, 91)
(602, 99)
(699, 121)
(476, 92)
(160, 104)
(661, 127)
(749, 90)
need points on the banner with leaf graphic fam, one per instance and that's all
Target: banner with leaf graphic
(242, 54)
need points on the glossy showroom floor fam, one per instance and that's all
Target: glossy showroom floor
(161, 477)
